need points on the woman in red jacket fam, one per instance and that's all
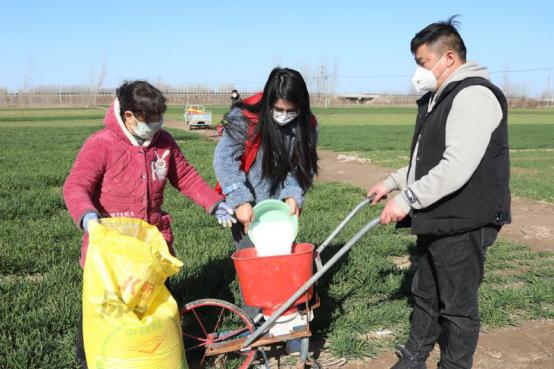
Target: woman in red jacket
(121, 171)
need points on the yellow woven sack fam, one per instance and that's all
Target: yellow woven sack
(130, 320)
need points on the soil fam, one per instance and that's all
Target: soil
(527, 346)
(532, 221)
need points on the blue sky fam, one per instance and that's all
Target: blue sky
(238, 42)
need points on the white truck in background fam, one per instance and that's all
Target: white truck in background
(196, 116)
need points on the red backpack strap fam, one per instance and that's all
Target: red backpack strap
(218, 189)
(251, 147)
(252, 144)
(313, 121)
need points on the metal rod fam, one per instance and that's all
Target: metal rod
(342, 225)
(311, 281)
(339, 228)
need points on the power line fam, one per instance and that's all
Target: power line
(377, 76)
(409, 75)
(366, 76)
(523, 70)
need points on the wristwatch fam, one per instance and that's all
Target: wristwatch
(412, 198)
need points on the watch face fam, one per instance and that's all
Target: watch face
(411, 196)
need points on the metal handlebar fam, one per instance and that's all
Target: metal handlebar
(339, 228)
(321, 270)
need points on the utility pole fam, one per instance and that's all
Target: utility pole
(321, 87)
(507, 87)
(549, 101)
(324, 79)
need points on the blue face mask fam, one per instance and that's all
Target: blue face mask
(147, 130)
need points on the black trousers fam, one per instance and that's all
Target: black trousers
(80, 344)
(444, 288)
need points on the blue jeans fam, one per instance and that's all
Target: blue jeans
(444, 288)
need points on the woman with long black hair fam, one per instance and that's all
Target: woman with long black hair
(268, 149)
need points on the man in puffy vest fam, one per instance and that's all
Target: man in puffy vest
(454, 194)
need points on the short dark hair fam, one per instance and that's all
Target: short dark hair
(441, 37)
(141, 98)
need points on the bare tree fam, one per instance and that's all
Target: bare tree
(162, 85)
(326, 81)
(27, 78)
(200, 87)
(521, 90)
(3, 96)
(546, 95)
(333, 79)
(506, 83)
(96, 81)
(226, 87)
(102, 75)
(306, 72)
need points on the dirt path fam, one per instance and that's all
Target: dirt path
(532, 223)
(528, 346)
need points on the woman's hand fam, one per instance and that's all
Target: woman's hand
(224, 215)
(87, 218)
(244, 215)
(293, 205)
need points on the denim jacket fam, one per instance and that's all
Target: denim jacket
(240, 187)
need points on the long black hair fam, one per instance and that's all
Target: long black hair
(278, 161)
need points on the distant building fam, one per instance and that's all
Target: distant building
(358, 99)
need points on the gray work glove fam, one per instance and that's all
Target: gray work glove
(224, 214)
(90, 216)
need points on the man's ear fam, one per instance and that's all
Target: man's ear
(451, 58)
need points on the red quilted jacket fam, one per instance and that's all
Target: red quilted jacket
(116, 177)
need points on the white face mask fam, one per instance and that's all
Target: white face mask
(424, 80)
(283, 118)
(147, 130)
